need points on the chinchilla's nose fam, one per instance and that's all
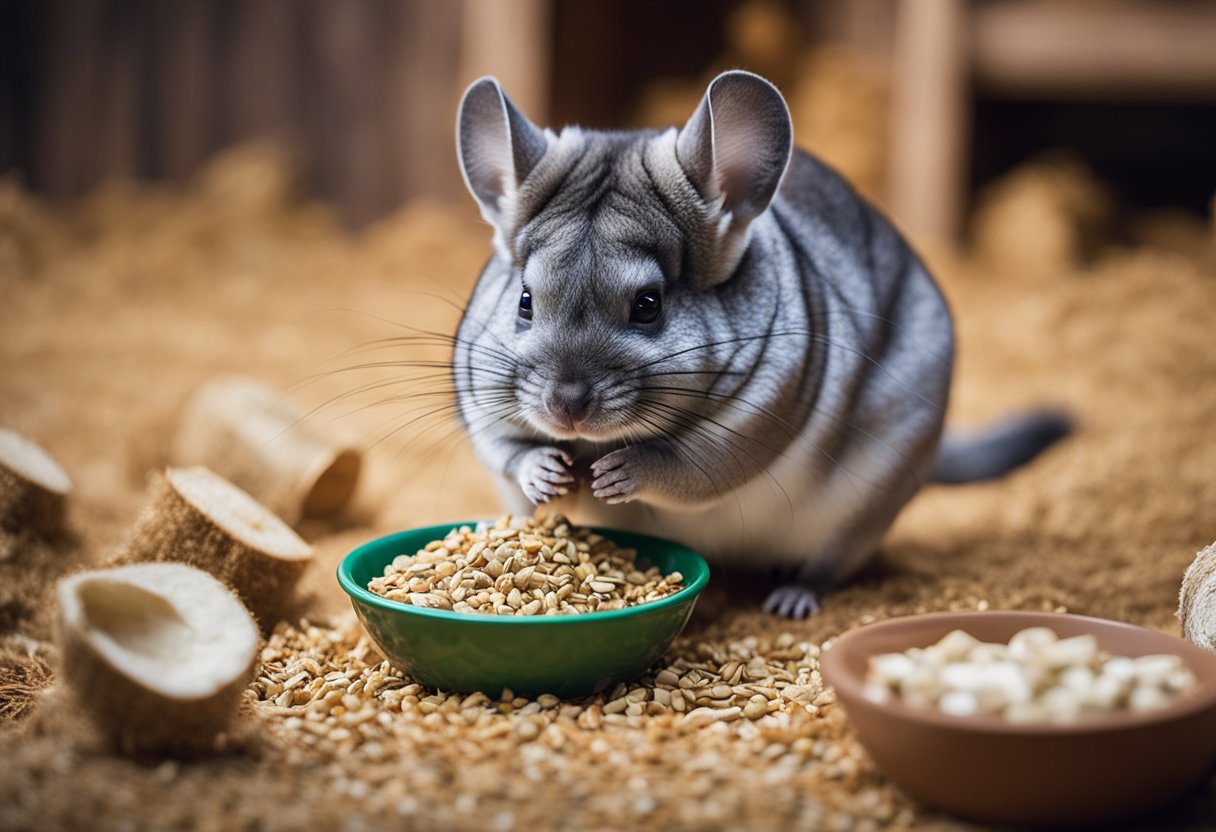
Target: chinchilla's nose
(570, 401)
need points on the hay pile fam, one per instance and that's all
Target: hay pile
(115, 308)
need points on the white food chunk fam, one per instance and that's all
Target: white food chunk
(959, 703)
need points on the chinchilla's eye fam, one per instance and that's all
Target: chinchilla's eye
(647, 307)
(525, 305)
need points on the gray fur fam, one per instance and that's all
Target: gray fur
(985, 454)
(790, 400)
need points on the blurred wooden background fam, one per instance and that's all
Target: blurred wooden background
(366, 90)
(150, 89)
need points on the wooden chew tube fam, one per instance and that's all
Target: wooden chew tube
(1197, 600)
(253, 436)
(198, 518)
(33, 487)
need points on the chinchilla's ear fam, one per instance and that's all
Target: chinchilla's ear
(736, 146)
(498, 147)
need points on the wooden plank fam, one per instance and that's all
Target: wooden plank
(425, 90)
(117, 131)
(183, 87)
(349, 145)
(257, 68)
(928, 119)
(1114, 49)
(66, 158)
(510, 40)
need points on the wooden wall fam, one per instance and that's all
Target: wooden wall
(365, 89)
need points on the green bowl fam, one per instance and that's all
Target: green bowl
(565, 655)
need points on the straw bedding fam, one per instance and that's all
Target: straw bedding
(115, 308)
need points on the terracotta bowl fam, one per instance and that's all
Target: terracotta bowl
(1103, 769)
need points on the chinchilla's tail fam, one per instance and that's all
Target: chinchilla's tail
(992, 451)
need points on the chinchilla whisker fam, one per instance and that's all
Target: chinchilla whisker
(443, 337)
(310, 415)
(693, 422)
(666, 406)
(502, 413)
(854, 312)
(491, 417)
(397, 344)
(874, 362)
(446, 391)
(420, 364)
(454, 302)
(454, 434)
(699, 423)
(805, 333)
(726, 342)
(863, 355)
(730, 400)
(734, 401)
(711, 372)
(382, 384)
(699, 461)
(441, 382)
(878, 365)
(440, 415)
(694, 455)
(443, 378)
(397, 324)
(791, 432)
(433, 339)
(690, 422)
(853, 476)
(376, 435)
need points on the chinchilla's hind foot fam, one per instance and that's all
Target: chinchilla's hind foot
(793, 600)
(801, 589)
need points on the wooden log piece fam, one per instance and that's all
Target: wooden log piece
(33, 487)
(256, 438)
(1197, 600)
(198, 518)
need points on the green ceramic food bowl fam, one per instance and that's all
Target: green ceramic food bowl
(566, 655)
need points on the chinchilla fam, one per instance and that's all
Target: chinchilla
(703, 334)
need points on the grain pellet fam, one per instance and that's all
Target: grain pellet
(532, 566)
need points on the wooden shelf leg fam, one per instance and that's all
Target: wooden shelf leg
(929, 119)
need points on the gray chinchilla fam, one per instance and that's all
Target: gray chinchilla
(713, 332)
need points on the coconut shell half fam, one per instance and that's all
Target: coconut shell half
(156, 654)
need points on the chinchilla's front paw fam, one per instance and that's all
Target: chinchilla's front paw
(544, 473)
(619, 476)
